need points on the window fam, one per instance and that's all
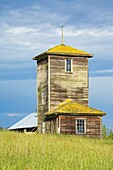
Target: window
(80, 126)
(43, 97)
(68, 65)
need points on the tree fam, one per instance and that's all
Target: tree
(104, 132)
(111, 134)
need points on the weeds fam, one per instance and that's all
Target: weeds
(53, 152)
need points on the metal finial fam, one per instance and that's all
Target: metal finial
(62, 34)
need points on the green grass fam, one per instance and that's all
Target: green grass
(53, 152)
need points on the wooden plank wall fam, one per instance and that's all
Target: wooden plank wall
(93, 125)
(42, 85)
(68, 85)
(51, 126)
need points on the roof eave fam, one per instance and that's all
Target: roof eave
(71, 54)
(50, 116)
(79, 114)
(63, 54)
(40, 55)
(25, 127)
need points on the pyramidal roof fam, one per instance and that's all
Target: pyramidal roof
(71, 107)
(65, 50)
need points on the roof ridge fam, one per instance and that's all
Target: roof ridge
(66, 102)
(62, 104)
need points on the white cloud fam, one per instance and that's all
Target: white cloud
(19, 30)
(36, 7)
(101, 15)
(30, 30)
(36, 39)
(15, 114)
(103, 71)
(89, 31)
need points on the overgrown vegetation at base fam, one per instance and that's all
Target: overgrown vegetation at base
(53, 152)
(107, 133)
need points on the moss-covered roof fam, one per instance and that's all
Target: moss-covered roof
(64, 50)
(71, 107)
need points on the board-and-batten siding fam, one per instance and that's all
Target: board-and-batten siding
(65, 85)
(93, 125)
(42, 85)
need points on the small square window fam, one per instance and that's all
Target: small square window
(68, 65)
(80, 126)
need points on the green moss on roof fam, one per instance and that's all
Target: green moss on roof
(71, 107)
(64, 50)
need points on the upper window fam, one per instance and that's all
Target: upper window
(80, 126)
(68, 65)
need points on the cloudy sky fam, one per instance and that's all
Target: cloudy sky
(29, 27)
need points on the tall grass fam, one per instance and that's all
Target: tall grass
(53, 152)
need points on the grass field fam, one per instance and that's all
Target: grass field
(53, 152)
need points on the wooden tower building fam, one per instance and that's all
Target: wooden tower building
(62, 80)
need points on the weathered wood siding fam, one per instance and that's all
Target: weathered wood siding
(51, 126)
(93, 125)
(65, 85)
(42, 85)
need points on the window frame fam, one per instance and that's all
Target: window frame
(66, 70)
(76, 131)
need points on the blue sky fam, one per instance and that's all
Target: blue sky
(30, 27)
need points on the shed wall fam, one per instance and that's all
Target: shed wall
(93, 125)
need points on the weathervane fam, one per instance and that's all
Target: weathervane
(62, 34)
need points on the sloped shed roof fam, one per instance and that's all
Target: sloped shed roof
(71, 107)
(27, 122)
(63, 49)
